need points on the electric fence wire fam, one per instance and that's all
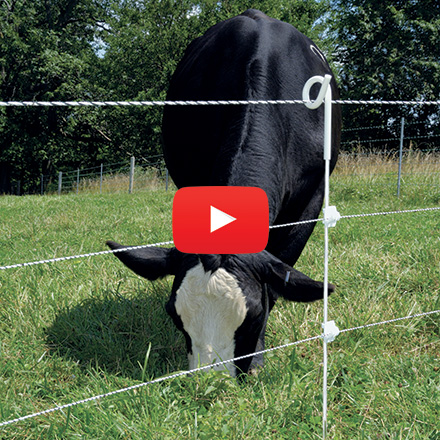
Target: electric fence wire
(203, 102)
(166, 243)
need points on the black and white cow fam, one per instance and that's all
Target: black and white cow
(221, 303)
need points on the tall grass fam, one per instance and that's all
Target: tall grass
(370, 163)
(144, 179)
(84, 327)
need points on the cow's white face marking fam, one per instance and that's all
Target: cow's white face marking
(212, 307)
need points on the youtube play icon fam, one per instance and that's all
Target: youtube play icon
(220, 220)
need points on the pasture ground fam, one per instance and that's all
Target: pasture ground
(79, 328)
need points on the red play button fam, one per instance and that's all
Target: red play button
(220, 220)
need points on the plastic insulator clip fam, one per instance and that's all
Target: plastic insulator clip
(331, 216)
(330, 331)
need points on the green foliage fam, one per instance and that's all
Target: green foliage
(388, 51)
(45, 54)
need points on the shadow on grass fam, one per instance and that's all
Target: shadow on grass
(112, 334)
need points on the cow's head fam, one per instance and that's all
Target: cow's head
(221, 302)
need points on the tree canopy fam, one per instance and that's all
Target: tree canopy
(388, 51)
(45, 54)
(128, 49)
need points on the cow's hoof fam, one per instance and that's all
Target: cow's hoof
(254, 371)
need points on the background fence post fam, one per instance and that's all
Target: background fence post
(167, 175)
(42, 185)
(77, 181)
(100, 179)
(60, 182)
(402, 129)
(130, 188)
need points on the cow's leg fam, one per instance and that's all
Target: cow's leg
(258, 360)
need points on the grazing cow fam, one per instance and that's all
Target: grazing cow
(221, 303)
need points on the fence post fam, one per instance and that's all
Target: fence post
(77, 181)
(100, 179)
(130, 188)
(167, 174)
(330, 214)
(60, 182)
(402, 129)
(42, 185)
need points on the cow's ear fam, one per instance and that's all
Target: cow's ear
(292, 284)
(150, 262)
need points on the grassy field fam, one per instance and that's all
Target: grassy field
(75, 329)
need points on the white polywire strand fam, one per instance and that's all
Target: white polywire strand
(210, 102)
(93, 254)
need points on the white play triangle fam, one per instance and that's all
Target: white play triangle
(220, 219)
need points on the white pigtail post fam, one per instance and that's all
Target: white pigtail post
(331, 215)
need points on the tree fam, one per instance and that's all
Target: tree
(45, 53)
(388, 51)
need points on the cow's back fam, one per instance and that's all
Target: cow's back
(275, 147)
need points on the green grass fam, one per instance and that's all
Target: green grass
(74, 329)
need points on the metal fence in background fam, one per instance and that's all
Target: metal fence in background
(407, 153)
(149, 172)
